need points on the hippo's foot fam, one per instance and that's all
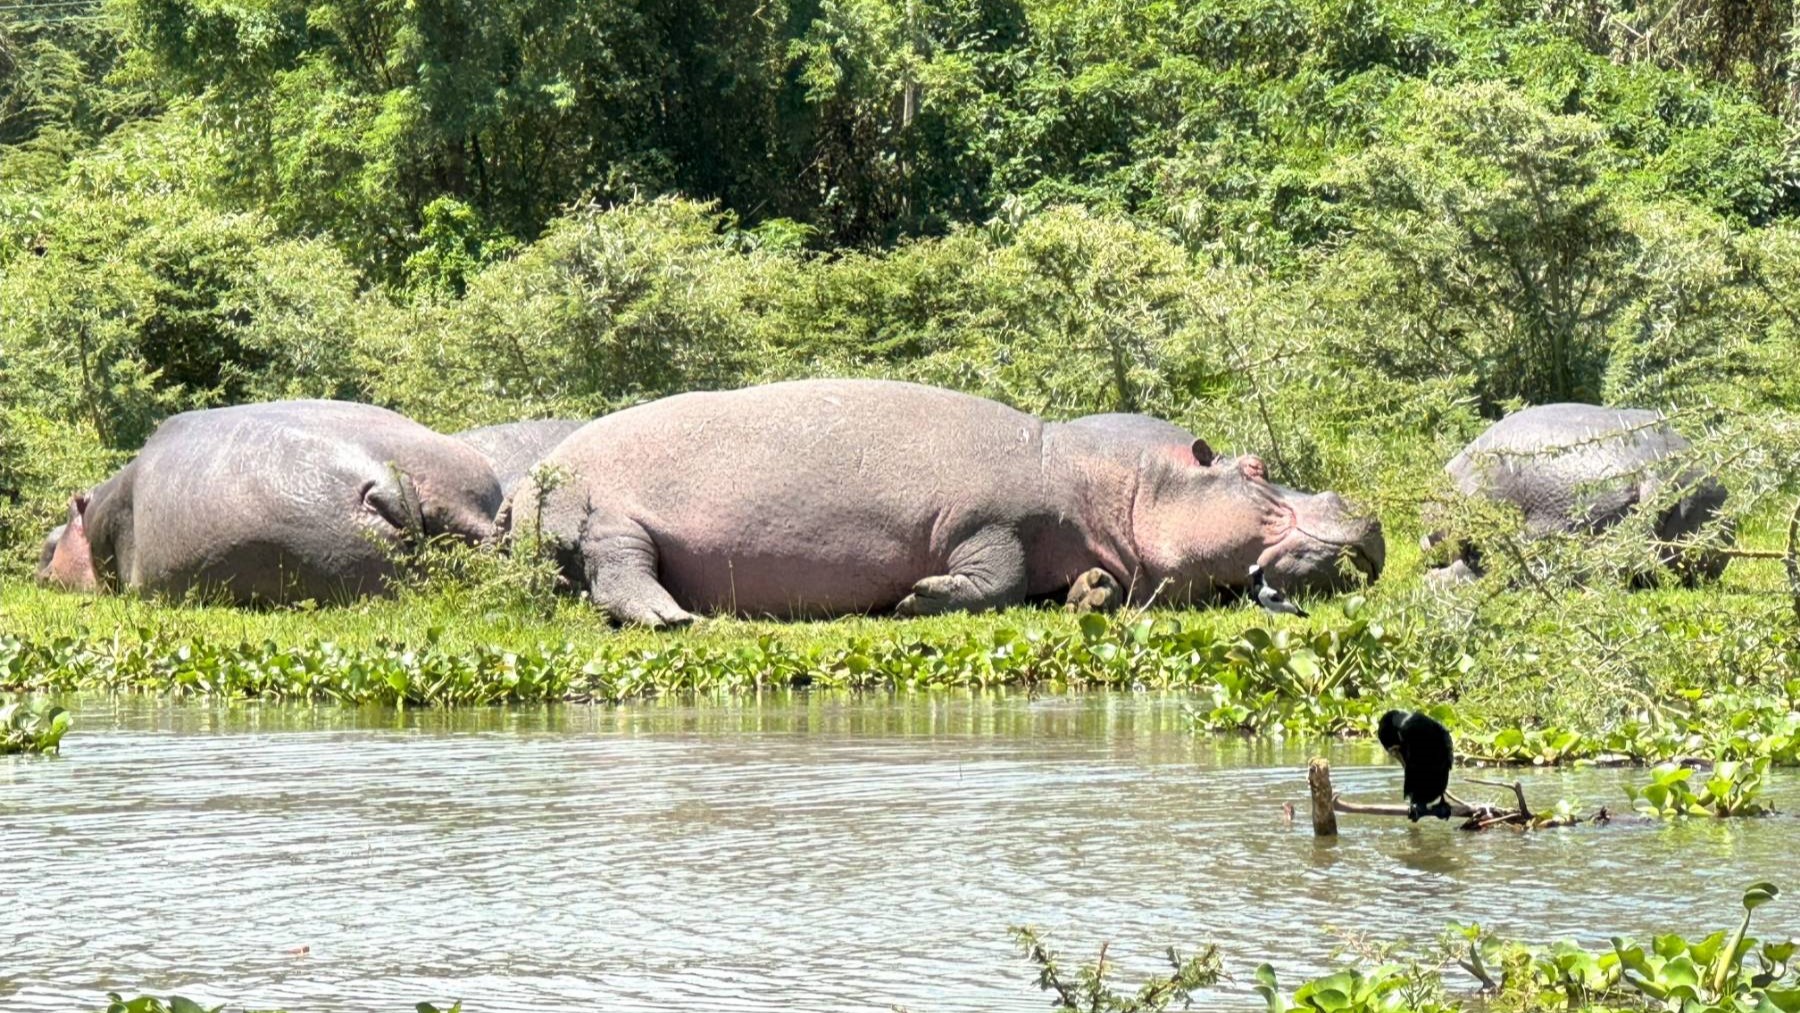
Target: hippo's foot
(620, 560)
(987, 571)
(653, 615)
(667, 619)
(1094, 591)
(938, 595)
(953, 592)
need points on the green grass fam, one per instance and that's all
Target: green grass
(1525, 674)
(463, 617)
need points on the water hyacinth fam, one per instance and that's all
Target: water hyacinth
(1098, 654)
(1333, 678)
(26, 728)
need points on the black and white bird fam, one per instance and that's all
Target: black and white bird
(1426, 753)
(1269, 598)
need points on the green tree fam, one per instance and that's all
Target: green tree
(609, 307)
(1496, 246)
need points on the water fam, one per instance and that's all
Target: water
(789, 854)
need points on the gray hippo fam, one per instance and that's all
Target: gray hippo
(1583, 468)
(826, 497)
(272, 502)
(514, 448)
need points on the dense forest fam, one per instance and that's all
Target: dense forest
(1338, 232)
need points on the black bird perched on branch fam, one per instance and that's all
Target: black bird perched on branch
(1424, 749)
(1269, 598)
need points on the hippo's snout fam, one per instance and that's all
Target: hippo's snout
(1331, 548)
(1350, 564)
(1368, 558)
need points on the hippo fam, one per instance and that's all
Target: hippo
(514, 448)
(48, 551)
(274, 502)
(828, 497)
(1583, 468)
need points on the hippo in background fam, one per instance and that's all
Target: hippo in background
(1579, 468)
(827, 497)
(272, 502)
(48, 551)
(514, 448)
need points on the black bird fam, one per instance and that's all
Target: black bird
(1424, 749)
(1269, 598)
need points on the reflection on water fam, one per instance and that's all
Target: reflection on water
(793, 853)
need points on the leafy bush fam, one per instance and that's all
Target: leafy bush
(609, 307)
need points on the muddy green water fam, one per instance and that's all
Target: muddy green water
(785, 854)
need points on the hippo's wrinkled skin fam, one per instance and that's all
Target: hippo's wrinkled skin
(514, 448)
(826, 497)
(272, 502)
(1583, 468)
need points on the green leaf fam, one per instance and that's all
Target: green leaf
(1758, 894)
(1680, 971)
(1329, 999)
(1268, 989)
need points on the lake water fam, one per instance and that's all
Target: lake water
(825, 853)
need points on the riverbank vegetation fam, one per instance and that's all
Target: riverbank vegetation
(1665, 677)
(1727, 970)
(1343, 235)
(1339, 234)
(28, 728)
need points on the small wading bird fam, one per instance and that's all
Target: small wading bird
(1425, 751)
(1269, 598)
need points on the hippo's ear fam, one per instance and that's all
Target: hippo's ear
(1203, 453)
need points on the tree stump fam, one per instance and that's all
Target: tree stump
(1324, 815)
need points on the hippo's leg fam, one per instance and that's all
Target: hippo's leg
(620, 560)
(1094, 591)
(987, 571)
(1458, 572)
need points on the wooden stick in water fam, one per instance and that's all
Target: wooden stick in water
(1324, 816)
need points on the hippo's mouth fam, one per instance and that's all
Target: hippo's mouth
(1324, 551)
(1303, 560)
(1368, 565)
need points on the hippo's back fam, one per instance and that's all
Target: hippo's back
(1568, 464)
(290, 499)
(514, 448)
(805, 496)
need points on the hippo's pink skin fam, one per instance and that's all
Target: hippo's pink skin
(826, 497)
(67, 559)
(272, 502)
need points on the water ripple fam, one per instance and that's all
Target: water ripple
(791, 854)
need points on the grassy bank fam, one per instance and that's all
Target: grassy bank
(1550, 674)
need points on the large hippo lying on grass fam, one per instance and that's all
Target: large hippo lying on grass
(826, 497)
(272, 502)
(1579, 467)
(514, 448)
